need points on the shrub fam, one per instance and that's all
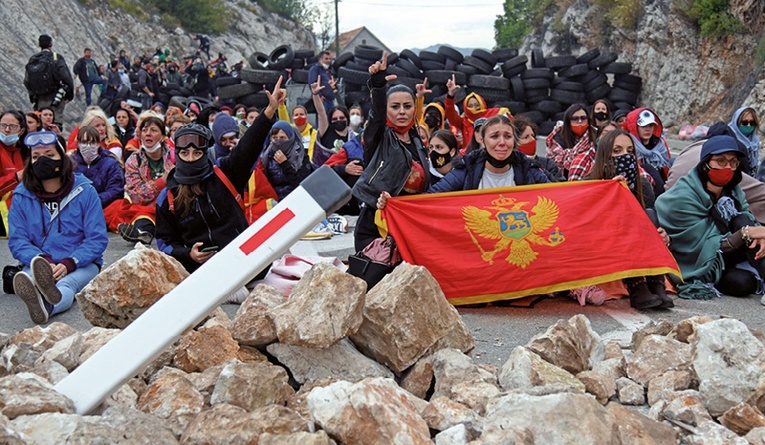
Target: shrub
(714, 18)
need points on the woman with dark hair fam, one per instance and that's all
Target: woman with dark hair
(124, 129)
(57, 230)
(285, 160)
(713, 233)
(601, 112)
(476, 142)
(527, 144)
(616, 159)
(572, 145)
(13, 153)
(442, 151)
(99, 165)
(34, 122)
(334, 130)
(395, 160)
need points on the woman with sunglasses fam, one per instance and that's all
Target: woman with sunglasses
(572, 145)
(334, 131)
(745, 124)
(57, 231)
(197, 213)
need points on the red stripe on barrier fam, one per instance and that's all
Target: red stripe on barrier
(267, 231)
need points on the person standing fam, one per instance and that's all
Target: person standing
(87, 70)
(50, 77)
(320, 72)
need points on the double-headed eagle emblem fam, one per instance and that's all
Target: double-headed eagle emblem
(513, 227)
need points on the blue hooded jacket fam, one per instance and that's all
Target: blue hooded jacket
(77, 230)
(223, 124)
(751, 142)
(105, 173)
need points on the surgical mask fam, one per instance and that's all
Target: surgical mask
(153, 149)
(325, 66)
(47, 168)
(300, 120)
(210, 125)
(746, 130)
(439, 160)
(88, 151)
(720, 176)
(9, 139)
(355, 120)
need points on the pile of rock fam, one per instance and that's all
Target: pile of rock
(335, 364)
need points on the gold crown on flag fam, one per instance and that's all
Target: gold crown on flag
(502, 201)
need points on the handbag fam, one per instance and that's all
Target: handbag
(9, 272)
(378, 259)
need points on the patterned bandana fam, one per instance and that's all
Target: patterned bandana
(626, 165)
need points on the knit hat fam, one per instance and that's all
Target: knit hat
(45, 41)
(720, 144)
(285, 127)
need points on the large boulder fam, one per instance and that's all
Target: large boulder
(127, 288)
(253, 325)
(571, 345)
(199, 350)
(24, 394)
(252, 385)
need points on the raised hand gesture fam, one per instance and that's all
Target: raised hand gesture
(276, 97)
(451, 86)
(422, 88)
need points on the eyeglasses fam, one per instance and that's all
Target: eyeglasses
(746, 123)
(187, 140)
(39, 138)
(87, 145)
(724, 162)
(578, 118)
(12, 127)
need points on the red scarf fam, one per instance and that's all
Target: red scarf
(400, 130)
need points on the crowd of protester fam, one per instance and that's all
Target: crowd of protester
(195, 177)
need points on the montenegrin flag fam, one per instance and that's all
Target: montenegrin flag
(505, 243)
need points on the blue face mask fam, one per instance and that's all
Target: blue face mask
(746, 129)
(9, 139)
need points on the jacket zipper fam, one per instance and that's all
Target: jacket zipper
(382, 162)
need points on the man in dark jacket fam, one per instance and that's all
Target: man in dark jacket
(321, 71)
(87, 70)
(61, 85)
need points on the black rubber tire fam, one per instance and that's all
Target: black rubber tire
(203, 101)
(569, 86)
(259, 77)
(440, 77)
(219, 81)
(624, 106)
(299, 76)
(600, 92)
(297, 64)
(504, 54)
(358, 97)
(178, 101)
(635, 89)
(538, 59)
(591, 85)
(411, 82)
(185, 92)
(589, 55)
(258, 61)
(467, 69)
(559, 116)
(429, 65)
(491, 95)
(548, 106)
(514, 62)
(620, 95)
(400, 72)
(281, 57)
(410, 56)
(234, 91)
(545, 128)
(514, 71)
(481, 65)
(304, 53)
(516, 87)
(353, 65)
(353, 76)
(490, 82)
(341, 60)
(409, 66)
(515, 106)
(558, 62)
(538, 73)
(574, 70)
(258, 100)
(451, 65)
(451, 53)
(602, 60)
(534, 83)
(392, 58)
(628, 79)
(312, 60)
(368, 52)
(566, 97)
(617, 68)
(366, 63)
(432, 57)
(534, 116)
(589, 76)
(484, 55)
(537, 95)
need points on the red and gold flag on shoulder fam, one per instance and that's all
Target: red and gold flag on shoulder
(496, 244)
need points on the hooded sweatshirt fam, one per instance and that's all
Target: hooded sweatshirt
(659, 155)
(422, 112)
(465, 122)
(751, 142)
(223, 124)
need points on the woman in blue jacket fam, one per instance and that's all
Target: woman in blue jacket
(57, 229)
(99, 165)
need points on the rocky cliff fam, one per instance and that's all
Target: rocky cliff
(686, 77)
(106, 30)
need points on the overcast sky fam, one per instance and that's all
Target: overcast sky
(401, 24)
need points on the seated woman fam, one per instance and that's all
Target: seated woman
(646, 130)
(745, 124)
(57, 230)
(125, 129)
(616, 159)
(285, 160)
(197, 214)
(308, 134)
(572, 145)
(527, 144)
(601, 112)
(95, 117)
(34, 122)
(715, 239)
(442, 151)
(100, 166)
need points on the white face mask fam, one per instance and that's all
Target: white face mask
(88, 151)
(355, 120)
(153, 149)
(325, 66)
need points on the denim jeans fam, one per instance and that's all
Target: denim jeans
(71, 284)
(89, 88)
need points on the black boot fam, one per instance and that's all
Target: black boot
(640, 296)
(656, 286)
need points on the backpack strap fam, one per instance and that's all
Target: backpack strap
(224, 179)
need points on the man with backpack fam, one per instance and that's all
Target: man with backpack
(87, 70)
(47, 78)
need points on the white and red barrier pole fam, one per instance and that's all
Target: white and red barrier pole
(128, 353)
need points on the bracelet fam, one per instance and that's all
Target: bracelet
(745, 235)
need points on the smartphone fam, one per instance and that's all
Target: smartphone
(209, 249)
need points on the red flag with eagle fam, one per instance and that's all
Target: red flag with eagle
(497, 244)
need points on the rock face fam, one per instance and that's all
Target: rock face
(685, 76)
(124, 290)
(253, 324)
(111, 29)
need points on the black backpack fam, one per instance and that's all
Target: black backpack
(40, 77)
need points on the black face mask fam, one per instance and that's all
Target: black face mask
(47, 168)
(496, 163)
(432, 120)
(439, 160)
(339, 125)
(626, 165)
(600, 115)
(190, 173)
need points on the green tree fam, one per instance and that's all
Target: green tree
(207, 16)
(714, 18)
(297, 10)
(511, 27)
